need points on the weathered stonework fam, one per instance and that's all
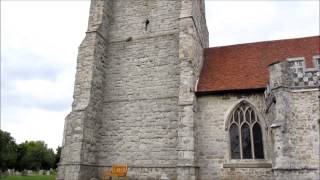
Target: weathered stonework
(134, 91)
(135, 102)
(295, 120)
(290, 113)
(213, 154)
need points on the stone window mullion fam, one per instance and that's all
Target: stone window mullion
(245, 122)
(251, 139)
(240, 139)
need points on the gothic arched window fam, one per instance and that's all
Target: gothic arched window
(245, 133)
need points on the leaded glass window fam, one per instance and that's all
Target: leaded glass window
(234, 139)
(245, 133)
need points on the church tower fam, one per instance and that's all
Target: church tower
(134, 93)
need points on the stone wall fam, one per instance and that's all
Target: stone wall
(213, 143)
(78, 156)
(146, 173)
(135, 102)
(140, 104)
(193, 38)
(290, 109)
(295, 114)
(136, 73)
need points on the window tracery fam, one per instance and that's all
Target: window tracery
(245, 133)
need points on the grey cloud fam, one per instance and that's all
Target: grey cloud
(10, 98)
(25, 65)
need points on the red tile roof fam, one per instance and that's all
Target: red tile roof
(245, 66)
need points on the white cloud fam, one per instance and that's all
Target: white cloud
(42, 93)
(234, 22)
(39, 43)
(44, 27)
(34, 124)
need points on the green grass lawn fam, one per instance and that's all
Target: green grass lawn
(29, 178)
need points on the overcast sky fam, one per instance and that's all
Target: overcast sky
(39, 42)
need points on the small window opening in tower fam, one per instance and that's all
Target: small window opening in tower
(147, 23)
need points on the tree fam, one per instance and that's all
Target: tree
(57, 157)
(35, 155)
(48, 159)
(21, 152)
(8, 151)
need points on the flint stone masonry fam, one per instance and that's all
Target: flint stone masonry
(293, 74)
(295, 114)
